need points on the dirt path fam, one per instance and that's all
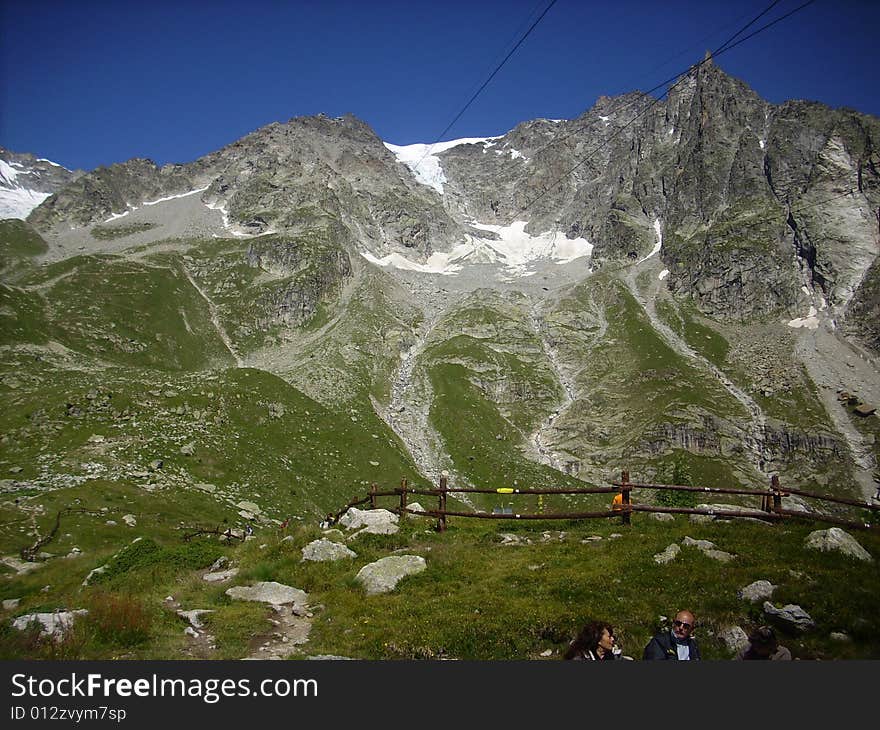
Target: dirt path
(215, 319)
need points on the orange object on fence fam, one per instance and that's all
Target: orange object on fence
(617, 502)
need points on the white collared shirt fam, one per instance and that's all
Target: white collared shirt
(684, 652)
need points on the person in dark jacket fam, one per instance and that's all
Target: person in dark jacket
(677, 644)
(594, 643)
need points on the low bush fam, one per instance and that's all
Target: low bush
(118, 620)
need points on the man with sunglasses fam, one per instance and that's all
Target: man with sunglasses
(676, 644)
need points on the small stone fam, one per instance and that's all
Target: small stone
(668, 555)
(547, 652)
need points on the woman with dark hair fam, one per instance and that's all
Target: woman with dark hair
(595, 642)
(763, 645)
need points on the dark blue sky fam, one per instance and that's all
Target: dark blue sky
(88, 83)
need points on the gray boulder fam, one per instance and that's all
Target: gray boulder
(791, 616)
(276, 594)
(760, 590)
(51, 624)
(324, 550)
(384, 575)
(374, 521)
(220, 576)
(708, 549)
(734, 637)
(837, 539)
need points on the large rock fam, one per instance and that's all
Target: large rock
(373, 521)
(51, 624)
(760, 590)
(790, 616)
(383, 575)
(734, 638)
(708, 549)
(220, 576)
(837, 539)
(324, 550)
(276, 594)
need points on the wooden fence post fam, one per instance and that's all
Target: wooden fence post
(441, 518)
(403, 498)
(625, 491)
(373, 490)
(765, 498)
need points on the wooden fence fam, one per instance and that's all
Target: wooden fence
(771, 508)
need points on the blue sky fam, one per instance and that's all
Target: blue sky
(88, 83)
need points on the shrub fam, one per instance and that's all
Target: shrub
(147, 553)
(118, 619)
(678, 472)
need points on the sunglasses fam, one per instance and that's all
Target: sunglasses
(682, 624)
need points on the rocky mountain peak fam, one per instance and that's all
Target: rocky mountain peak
(26, 181)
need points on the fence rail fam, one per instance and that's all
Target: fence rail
(771, 509)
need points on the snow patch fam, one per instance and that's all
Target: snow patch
(663, 274)
(658, 245)
(515, 250)
(7, 174)
(422, 159)
(222, 208)
(132, 208)
(811, 321)
(175, 197)
(117, 216)
(55, 164)
(19, 202)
